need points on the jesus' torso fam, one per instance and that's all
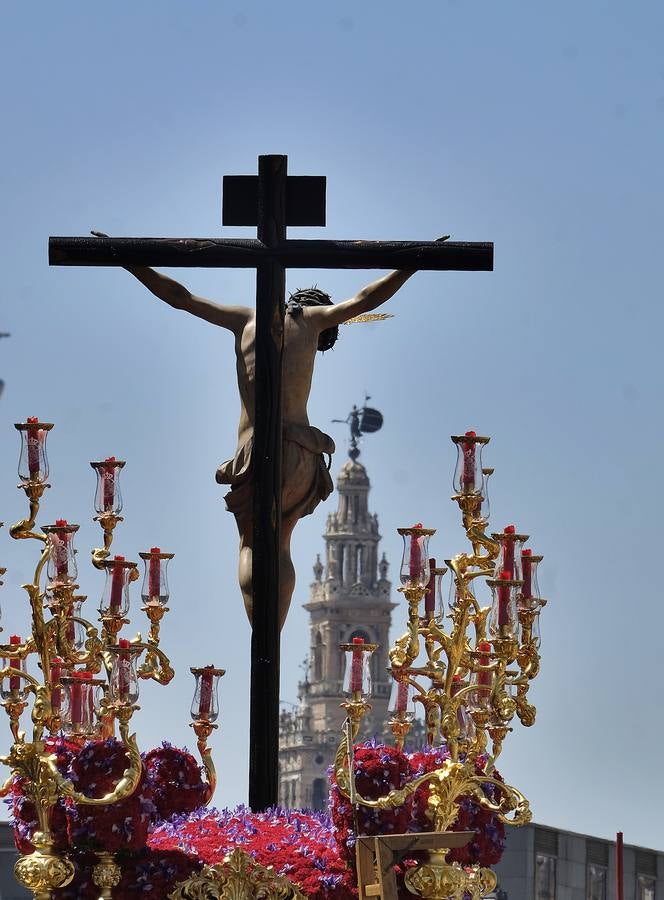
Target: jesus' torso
(300, 346)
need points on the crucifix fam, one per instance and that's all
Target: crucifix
(271, 200)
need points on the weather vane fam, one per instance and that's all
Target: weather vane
(362, 421)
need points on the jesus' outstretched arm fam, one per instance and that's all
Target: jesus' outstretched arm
(366, 300)
(369, 298)
(179, 297)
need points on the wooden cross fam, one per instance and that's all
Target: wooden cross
(271, 201)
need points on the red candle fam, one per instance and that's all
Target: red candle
(484, 676)
(117, 585)
(154, 573)
(56, 692)
(108, 479)
(14, 680)
(430, 596)
(504, 599)
(508, 551)
(75, 697)
(415, 558)
(60, 548)
(402, 697)
(124, 665)
(205, 703)
(527, 563)
(356, 680)
(87, 699)
(33, 438)
(468, 476)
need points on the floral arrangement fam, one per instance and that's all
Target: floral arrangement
(299, 845)
(175, 779)
(161, 834)
(95, 770)
(378, 769)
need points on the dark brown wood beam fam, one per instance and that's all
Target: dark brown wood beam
(266, 474)
(248, 254)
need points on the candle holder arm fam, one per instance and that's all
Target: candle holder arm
(108, 521)
(157, 665)
(406, 648)
(203, 729)
(125, 786)
(92, 657)
(24, 529)
(512, 801)
(7, 786)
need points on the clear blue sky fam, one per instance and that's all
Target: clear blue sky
(539, 127)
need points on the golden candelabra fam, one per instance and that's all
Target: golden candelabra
(470, 678)
(66, 696)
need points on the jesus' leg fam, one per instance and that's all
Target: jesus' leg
(286, 571)
(244, 571)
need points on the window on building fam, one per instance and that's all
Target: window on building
(595, 882)
(545, 877)
(645, 887)
(319, 793)
(318, 657)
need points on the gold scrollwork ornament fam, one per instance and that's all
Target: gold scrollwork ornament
(238, 877)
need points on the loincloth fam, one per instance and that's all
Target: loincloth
(305, 476)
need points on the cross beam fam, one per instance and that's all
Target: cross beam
(272, 200)
(238, 254)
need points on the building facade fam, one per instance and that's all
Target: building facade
(349, 597)
(542, 863)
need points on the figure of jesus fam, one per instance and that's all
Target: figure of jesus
(310, 325)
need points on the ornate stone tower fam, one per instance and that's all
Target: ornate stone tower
(349, 597)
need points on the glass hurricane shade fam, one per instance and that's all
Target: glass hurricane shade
(503, 617)
(61, 567)
(123, 682)
(13, 686)
(108, 496)
(155, 578)
(415, 569)
(115, 599)
(205, 703)
(468, 477)
(33, 461)
(401, 701)
(81, 694)
(357, 672)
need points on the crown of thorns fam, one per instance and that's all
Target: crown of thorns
(314, 297)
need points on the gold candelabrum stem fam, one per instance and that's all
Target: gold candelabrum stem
(106, 875)
(203, 728)
(157, 665)
(400, 726)
(108, 521)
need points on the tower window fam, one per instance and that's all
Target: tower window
(359, 558)
(318, 657)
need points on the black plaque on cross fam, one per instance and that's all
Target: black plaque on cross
(271, 200)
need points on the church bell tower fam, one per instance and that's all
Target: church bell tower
(349, 597)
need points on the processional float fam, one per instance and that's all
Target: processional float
(467, 665)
